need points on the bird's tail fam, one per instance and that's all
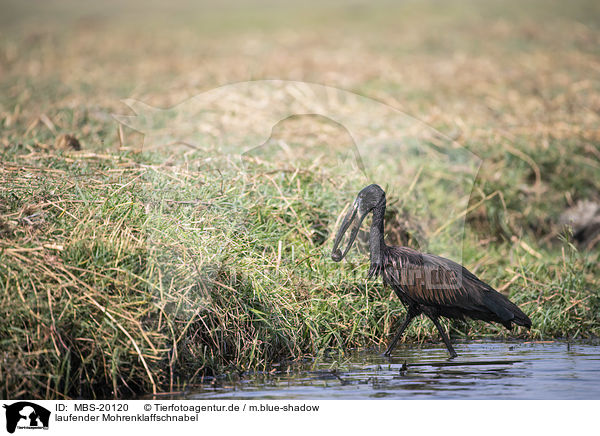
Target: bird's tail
(506, 310)
(521, 319)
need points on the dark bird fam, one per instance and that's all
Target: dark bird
(425, 283)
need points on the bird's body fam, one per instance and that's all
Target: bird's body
(441, 287)
(425, 283)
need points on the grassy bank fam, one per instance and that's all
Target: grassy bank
(126, 269)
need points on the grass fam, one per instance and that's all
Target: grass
(126, 268)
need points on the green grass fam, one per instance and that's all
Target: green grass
(105, 297)
(127, 270)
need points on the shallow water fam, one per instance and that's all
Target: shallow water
(482, 370)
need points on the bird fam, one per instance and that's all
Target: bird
(425, 283)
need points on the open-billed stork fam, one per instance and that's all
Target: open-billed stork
(425, 283)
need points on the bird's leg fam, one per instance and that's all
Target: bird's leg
(407, 320)
(444, 337)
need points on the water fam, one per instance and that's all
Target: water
(483, 370)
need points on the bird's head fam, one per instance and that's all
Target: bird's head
(366, 200)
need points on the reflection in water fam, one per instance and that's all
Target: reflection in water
(482, 371)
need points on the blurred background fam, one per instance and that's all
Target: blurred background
(516, 84)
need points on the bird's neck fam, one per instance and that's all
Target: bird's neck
(376, 243)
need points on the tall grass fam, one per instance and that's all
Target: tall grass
(112, 283)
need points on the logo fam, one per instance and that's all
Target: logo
(26, 415)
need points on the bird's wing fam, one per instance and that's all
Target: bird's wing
(432, 280)
(435, 281)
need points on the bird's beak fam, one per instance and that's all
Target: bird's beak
(351, 216)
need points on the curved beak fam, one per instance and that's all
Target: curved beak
(351, 217)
